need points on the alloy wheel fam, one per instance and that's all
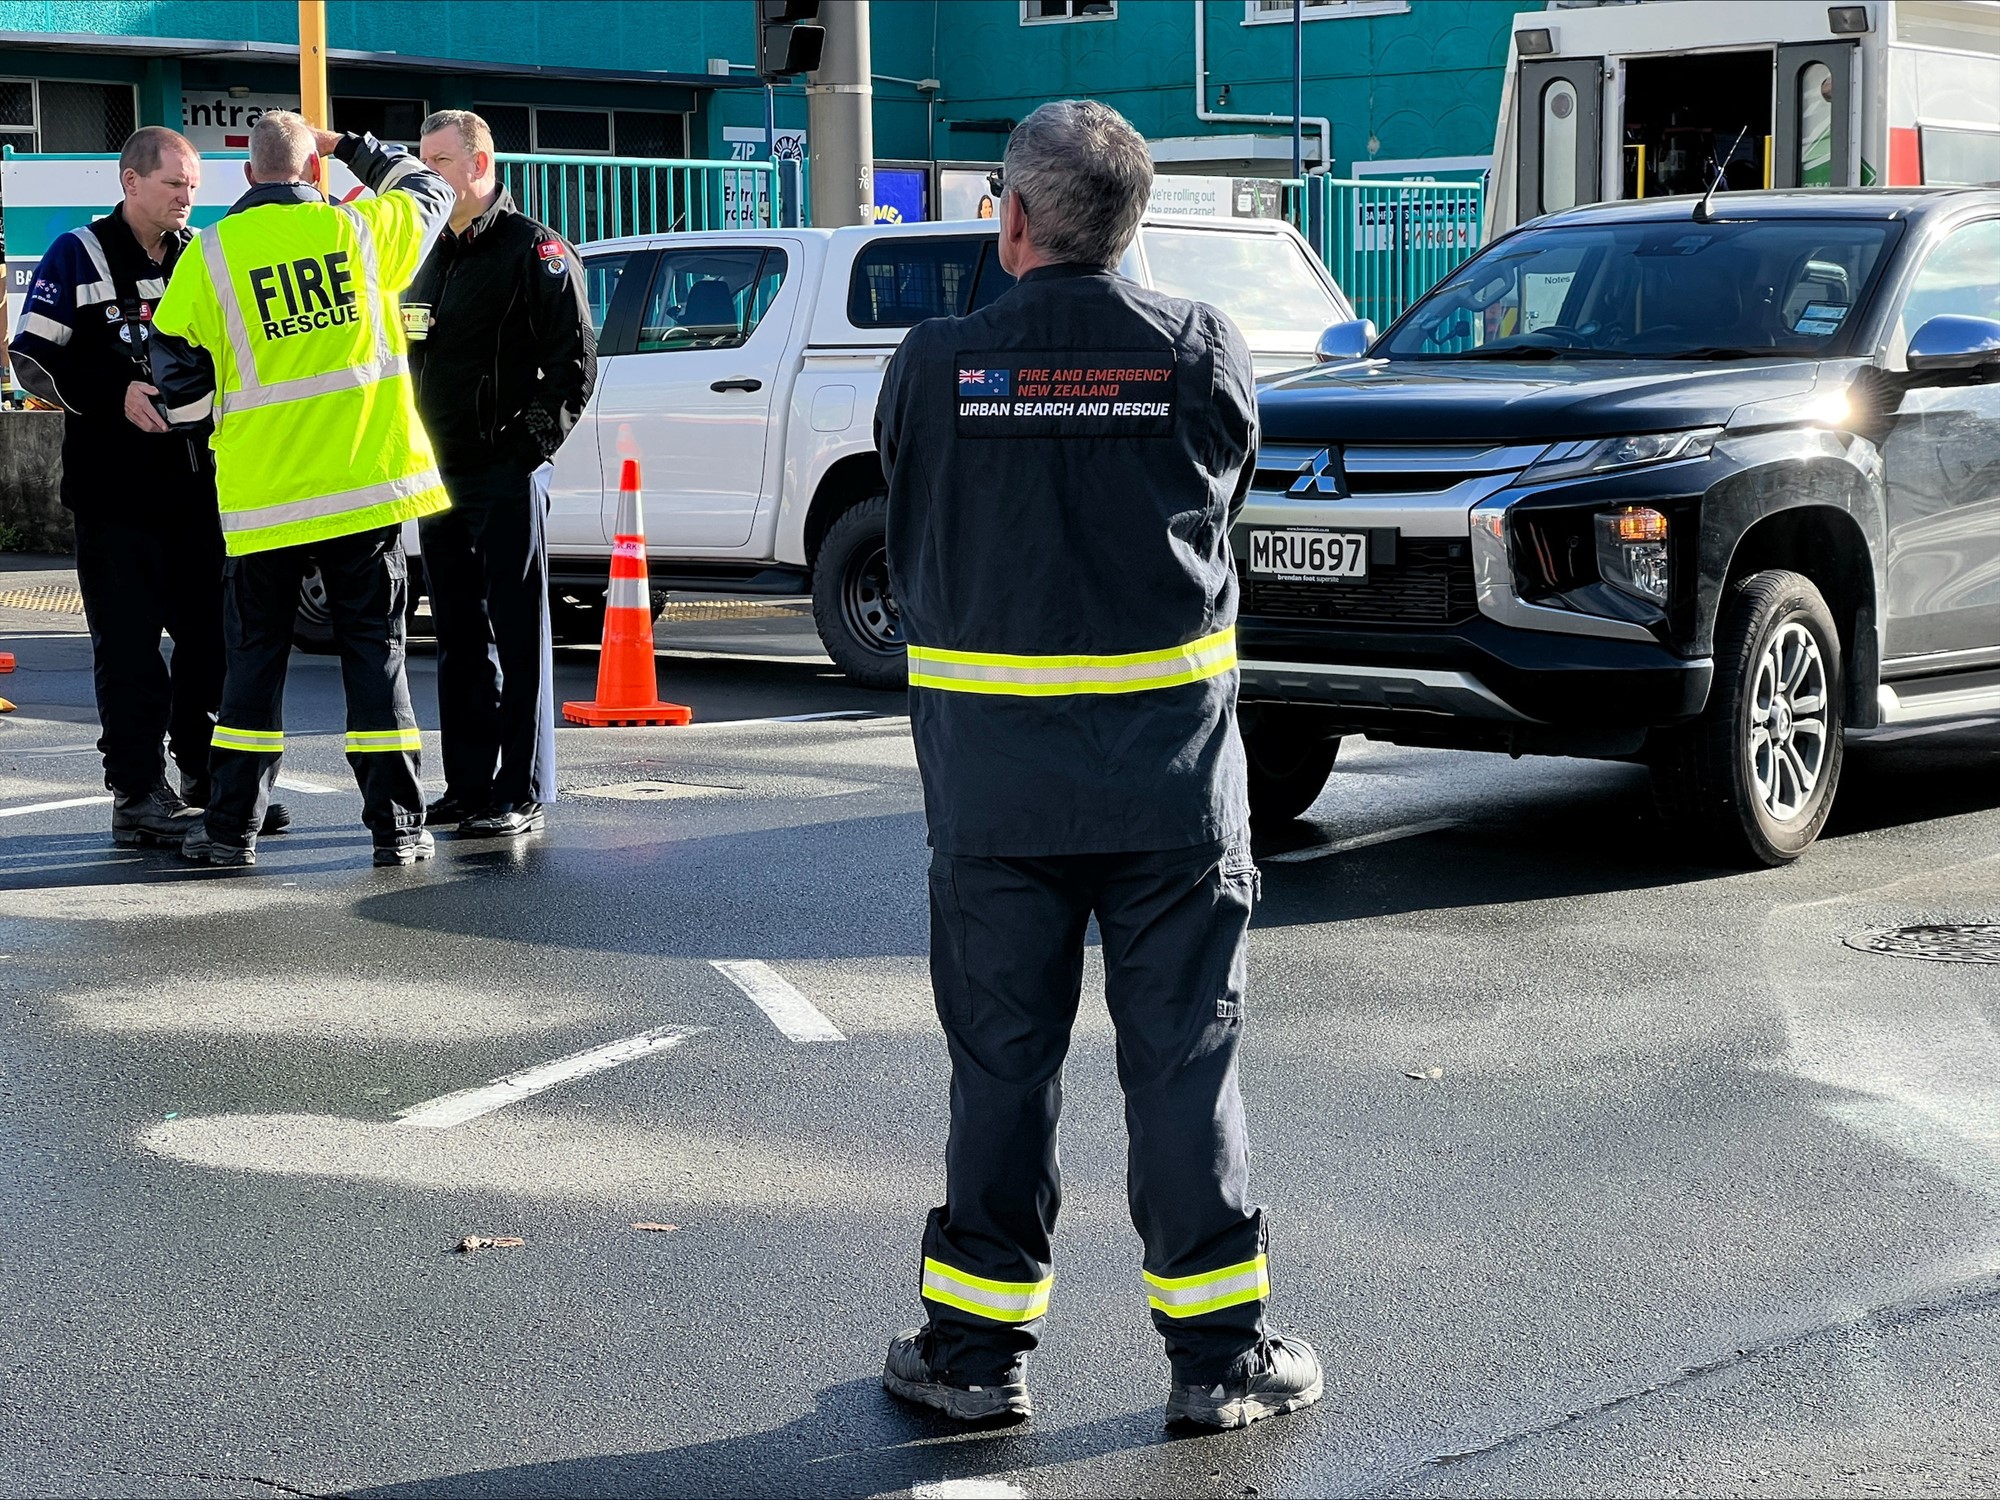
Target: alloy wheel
(1789, 722)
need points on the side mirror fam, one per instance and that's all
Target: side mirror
(1350, 340)
(1954, 342)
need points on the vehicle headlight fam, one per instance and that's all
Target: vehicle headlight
(1632, 552)
(1604, 455)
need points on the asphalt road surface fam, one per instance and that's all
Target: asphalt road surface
(1688, 1194)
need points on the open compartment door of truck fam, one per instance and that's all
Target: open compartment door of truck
(1562, 150)
(1815, 116)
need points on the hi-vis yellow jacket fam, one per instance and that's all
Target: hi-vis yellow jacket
(295, 301)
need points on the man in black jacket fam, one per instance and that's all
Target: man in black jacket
(1063, 468)
(148, 540)
(505, 357)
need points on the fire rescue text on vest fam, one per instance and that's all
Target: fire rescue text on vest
(318, 292)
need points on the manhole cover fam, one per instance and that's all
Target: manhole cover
(1943, 942)
(654, 791)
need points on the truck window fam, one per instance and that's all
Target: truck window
(1961, 275)
(1262, 281)
(899, 282)
(709, 299)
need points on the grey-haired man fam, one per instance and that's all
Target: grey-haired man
(1063, 468)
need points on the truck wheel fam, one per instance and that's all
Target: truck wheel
(576, 615)
(1753, 779)
(313, 629)
(852, 605)
(1289, 764)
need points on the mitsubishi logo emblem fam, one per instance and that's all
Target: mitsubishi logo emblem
(1320, 475)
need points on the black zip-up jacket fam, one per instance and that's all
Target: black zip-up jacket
(86, 326)
(501, 344)
(1063, 466)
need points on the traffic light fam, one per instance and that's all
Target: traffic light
(787, 41)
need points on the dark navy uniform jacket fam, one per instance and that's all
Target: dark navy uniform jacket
(1063, 468)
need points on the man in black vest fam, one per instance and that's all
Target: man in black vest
(504, 357)
(1063, 467)
(148, 539)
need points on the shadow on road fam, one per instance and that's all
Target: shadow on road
(857, 1441)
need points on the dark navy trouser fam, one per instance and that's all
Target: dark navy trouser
(367, 591)
(1007, 943)
(137, 581)
(486, 566)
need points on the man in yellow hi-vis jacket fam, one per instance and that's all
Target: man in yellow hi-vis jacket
(281, 323)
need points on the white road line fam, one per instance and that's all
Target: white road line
(1360, 841)
(967, 1489)
(469, 1104)
(300, 784)
(1916, 731)
(789, 1011)
(838, 713)
(19, 812)
(88, 749)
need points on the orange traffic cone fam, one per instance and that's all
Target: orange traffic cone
(627, 690)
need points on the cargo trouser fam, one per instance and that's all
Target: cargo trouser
(367, 587)
(486, 561)
(1007, 942)
(137, 581)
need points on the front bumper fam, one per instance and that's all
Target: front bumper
(1490, 675)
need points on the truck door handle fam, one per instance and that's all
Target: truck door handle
(740, 384)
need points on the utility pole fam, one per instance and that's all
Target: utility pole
(313, 102)
(840, 102)
(1298, 88)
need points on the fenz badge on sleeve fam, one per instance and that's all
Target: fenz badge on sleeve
(1065, 394)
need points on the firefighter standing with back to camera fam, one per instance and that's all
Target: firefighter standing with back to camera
(1063, 469)
(282, 323)
(504, 358)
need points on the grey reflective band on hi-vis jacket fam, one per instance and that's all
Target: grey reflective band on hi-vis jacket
(1056, 676)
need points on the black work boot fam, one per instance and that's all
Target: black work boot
(907, 1373)
(205, 849)
(1282, 1375)
(277, 816)
(157, 817)
(451, 809)
(405, 848)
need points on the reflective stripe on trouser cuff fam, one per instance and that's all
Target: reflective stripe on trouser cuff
(258, 518)
(627, 593)
(1002, 1301)
(1054, 676)
(255, 741)
(1191, 1296)
(367, 741)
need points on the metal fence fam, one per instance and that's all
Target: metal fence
(587, 198)
(1387, 243)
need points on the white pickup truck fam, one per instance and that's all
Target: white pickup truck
(740, 369)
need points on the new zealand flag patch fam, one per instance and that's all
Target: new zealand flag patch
(988, 384)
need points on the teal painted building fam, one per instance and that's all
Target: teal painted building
(1402, 85)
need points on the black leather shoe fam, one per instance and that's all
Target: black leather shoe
(449, 811)
(158, 817)
(405, 849)
(503, 820)
(1283, 1375)
(907, 1373)
(277, 818)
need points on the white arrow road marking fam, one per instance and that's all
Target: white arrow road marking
(19, 812)
(789, 1011)
(967, 1489)
(469, 1104)
(1359, 841)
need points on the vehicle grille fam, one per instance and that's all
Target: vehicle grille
(1390, 469)
(1429, 584)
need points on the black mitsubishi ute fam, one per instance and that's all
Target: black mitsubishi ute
(1703, 484)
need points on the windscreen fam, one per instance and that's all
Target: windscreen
(1677, 290)
(1263, 281)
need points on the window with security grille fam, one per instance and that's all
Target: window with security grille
(509, 124)
(1257, 11)
(572, 132)
(1036, 12)
(45, 114)
(641, 132)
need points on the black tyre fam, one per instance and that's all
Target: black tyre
(1289, 764)
(852, 602)
(313, 630)
(1752, 780)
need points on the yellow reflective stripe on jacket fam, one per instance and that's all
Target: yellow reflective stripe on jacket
(1055, 676)
(369, 741)
(256, 741)
(1191, 1296)
(1002, 1301)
